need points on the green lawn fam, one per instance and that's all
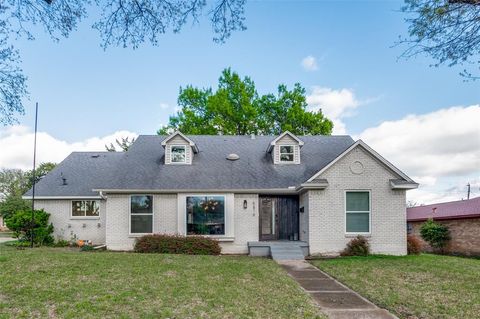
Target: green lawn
(424, 286)
(65, 283)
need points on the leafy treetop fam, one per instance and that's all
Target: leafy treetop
(236, 108)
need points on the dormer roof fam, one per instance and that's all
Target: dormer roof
(190, 142)
(293, 136)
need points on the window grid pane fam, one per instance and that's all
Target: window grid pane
(358, 201)
(205, 215)
(178, 154)
(141, 214)
(358, 222)
(78, 208)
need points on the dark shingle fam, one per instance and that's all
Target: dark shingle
(142, 166)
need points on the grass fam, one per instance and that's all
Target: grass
(424, 286)
(66, 283)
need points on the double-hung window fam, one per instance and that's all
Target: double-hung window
(287, 153)
(178, 154)
(357, 212)
(141, 214)
(205, 215)
(85, 208)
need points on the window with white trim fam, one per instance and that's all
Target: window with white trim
(357, 212)
(178, 153)
(205, 215)
(85, 208)
(141, 214)
(287, 153)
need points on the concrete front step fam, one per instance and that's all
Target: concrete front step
(284, 252)
(279, 250)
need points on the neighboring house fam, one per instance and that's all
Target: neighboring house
(241, 190)
(462, 219)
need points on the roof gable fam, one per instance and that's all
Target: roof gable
(291, 135)
(374, 154)
(178, 133)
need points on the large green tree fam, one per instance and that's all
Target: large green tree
(126, 23)
(236, 108)
(446, 30)
(14, 183)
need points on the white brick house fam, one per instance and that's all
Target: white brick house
(242, 190)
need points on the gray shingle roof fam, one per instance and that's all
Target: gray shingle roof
(142, 167)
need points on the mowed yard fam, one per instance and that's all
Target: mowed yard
(66, 283)
(424, 286)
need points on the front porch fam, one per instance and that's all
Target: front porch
(279, 249)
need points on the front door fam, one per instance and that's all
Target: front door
(279, 218)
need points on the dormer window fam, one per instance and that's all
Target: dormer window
(178, 154)
(285, 149)
(287, 153)
(179, 149)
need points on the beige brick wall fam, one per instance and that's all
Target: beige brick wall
(327, 207)
(303, 217)
(465, 234)
(118, 219)
(167, 213)
(65, 227)
(246, 224)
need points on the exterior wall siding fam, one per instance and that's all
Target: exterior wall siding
(118, 219)
(286, 140)
(178, 140)
(326, 208)
(166, 220)
(304, 217)
(246, 225)
(465, 239)
(66, 227)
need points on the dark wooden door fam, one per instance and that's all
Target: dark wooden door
(279, 218)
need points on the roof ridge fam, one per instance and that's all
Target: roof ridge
(449, 202)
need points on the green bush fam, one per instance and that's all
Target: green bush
(20, 223)
(62, 243)
(413, 245)
(436, 234)
(176, 244)
(358, 246)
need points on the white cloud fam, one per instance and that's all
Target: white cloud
(335, 105)
(164, 106)
(434, 148)
(16, 146)
(309, 63)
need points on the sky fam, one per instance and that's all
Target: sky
(425, 120)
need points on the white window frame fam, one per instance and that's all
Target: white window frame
(280, 153)
(185, 157)
(225, 222)
(130, 216)
(353, 212)
(85, 216)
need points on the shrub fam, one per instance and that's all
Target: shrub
(87, 248)
(176, 244)
(62, 243)
(437, 235)
(414, 246)
(20, 223)
(358, 246)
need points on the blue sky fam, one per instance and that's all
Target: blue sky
(86, 92)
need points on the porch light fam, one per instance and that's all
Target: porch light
(245, 204)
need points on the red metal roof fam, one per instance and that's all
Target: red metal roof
(450, 210)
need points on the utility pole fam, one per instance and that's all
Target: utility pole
(33, 176)
(468, 191)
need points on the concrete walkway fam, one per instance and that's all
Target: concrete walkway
(335, 299)
(5, 239)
